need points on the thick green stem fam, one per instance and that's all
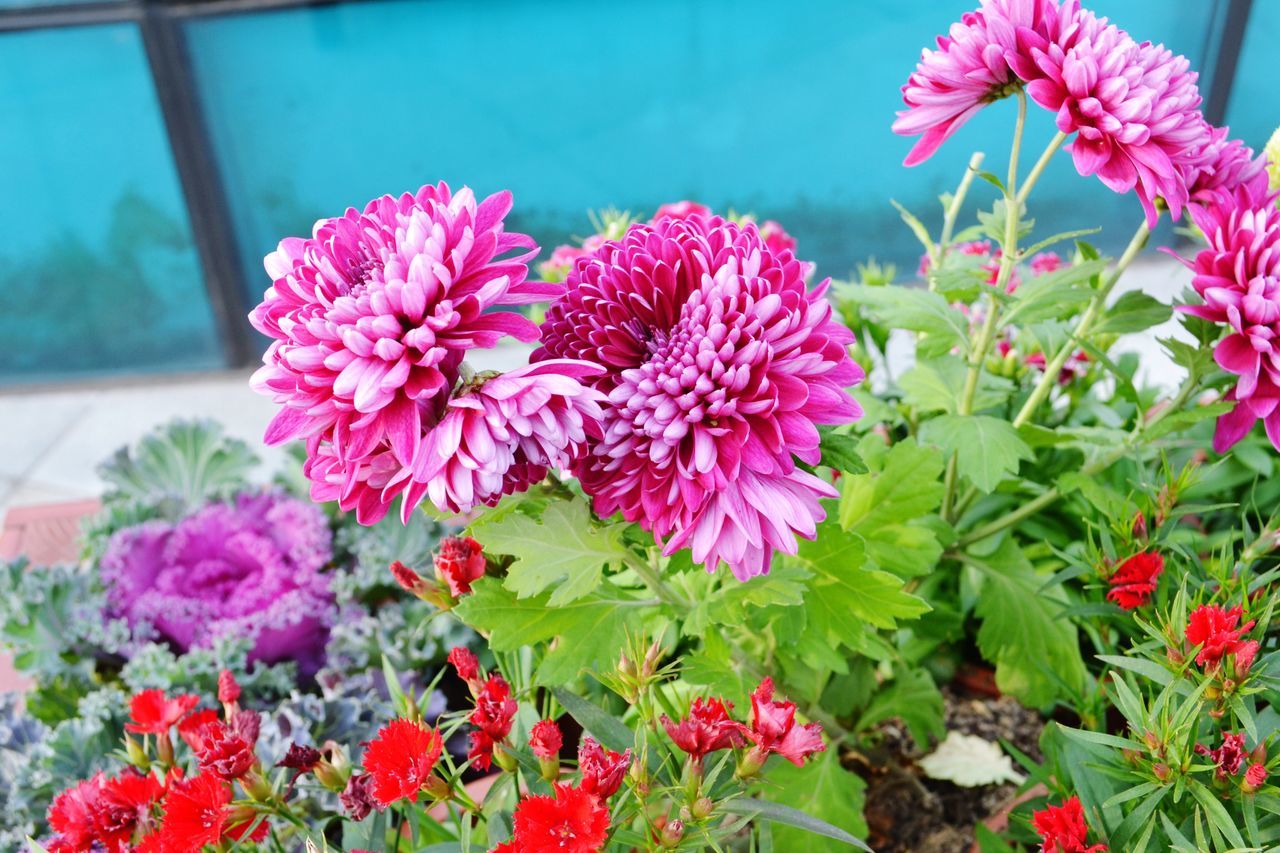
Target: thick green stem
(1096, 306)
(1126, 447)
(953, 210)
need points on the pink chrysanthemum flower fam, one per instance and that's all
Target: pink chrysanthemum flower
(503, 433)
(969, 69)
(1133, 107)
(1219, 166)
(372, 315)
(719, 365)
(1238, 277)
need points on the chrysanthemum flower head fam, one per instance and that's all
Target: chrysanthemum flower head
(1238, 278)
(504, 432)
(371, 317)
(1133, 107)
(969, 69)
(719, 364)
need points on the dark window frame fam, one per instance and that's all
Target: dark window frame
(161, 25)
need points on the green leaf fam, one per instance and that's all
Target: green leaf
(935, 385)
(592, 630)
(908, 486)
(821, 788)
(916, 226)
(842, 586)
(1035, 650)
(604, 726)
(563, 548)
(915, 698)
(1054, 295)
(840, 451)
(916, 310)
(1135, 311)
(987, 449)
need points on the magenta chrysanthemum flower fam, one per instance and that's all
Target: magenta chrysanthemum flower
(1220, 165)
(1133, 107)
(372, 316)
(249, 569)
(1238, 277)
(969, 69)
(719, 365)
(503, 433)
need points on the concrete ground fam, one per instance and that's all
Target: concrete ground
(55, 437)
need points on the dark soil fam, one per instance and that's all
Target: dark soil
(909, 813)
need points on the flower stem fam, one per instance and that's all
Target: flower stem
(1126, 447)
(1038, 169)
(953, 210)
(1008, 259)
(1091, 314)
(654, 581)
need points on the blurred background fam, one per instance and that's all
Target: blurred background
(151, 152)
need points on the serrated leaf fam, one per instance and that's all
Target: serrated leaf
(908, 486)
(1054, 295)
(935, 385)
(823, 786)
(842, 586)
(563, 548)
(916, 310)
(1135, 311)
(592, 630)
(840, 451)
(987, 449)
(1022, 632)
(970, 762)
(914, 698)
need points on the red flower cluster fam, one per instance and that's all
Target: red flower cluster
(153, 713)
(774, 730)
(705, 729)
(602, 769)
(105, 811)
(1062, 828)
(1229, 757)
(460, 563)
(545, 739)
(1135, 580)
(1214, 630)
(143, 811)
(573, 821)
(400, 760)
(495, 709)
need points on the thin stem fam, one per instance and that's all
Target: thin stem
(1038, 169)
(1008, 258)
(1126, 447)
(1091, 314)
(654, 581)
(953, 211)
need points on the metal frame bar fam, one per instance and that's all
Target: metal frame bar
(1225, 59)
(210, 216)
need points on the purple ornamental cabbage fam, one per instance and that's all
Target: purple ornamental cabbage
(251, 568)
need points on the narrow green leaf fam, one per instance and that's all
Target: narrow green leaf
(788, 816)
(604, 726)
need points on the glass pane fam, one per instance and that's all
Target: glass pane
(1254, 109)
(574, 105)
(97, 268)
